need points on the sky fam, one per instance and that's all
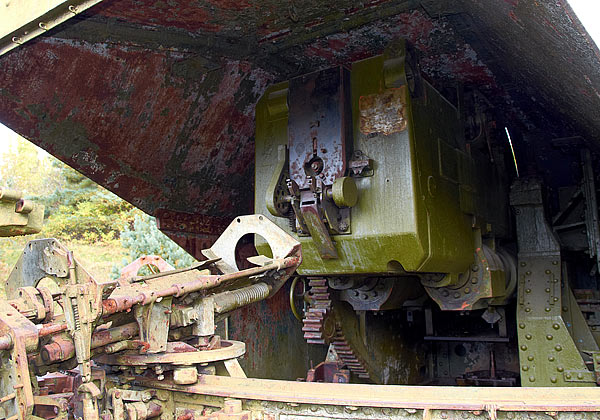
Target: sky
(588, 12)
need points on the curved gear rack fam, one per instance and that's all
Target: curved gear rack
(322, 327)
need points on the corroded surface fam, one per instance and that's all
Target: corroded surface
(155, 100)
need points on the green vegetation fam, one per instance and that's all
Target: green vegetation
(103, 231)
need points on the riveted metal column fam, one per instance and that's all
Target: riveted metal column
(547, 353)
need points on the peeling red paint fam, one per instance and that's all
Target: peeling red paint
(231, 4)
(119, 100)
(178, 14)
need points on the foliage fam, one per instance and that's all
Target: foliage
(145, 239)
(26, 168)
(79, 212)
(81, 209)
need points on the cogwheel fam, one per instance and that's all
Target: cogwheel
(321, 326)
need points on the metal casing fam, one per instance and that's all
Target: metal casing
(417, 212)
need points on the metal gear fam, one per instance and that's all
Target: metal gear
(321, 326)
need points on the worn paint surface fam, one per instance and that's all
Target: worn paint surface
(110, 111)
(155, 99)
(382, 112)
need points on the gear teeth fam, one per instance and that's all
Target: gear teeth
(313, 325)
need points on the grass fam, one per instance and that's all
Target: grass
(97, 258)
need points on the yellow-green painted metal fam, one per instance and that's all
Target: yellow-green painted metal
(23, 20)
(19, 216)
(418, 210)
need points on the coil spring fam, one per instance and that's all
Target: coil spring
(250, 294)
(76, 316)
(291, 216)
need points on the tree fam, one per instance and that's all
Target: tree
(27, 168)
(145, 239)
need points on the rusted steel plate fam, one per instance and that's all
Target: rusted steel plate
(125, 95)
(383, 112)
(394, 396)
(319, 117)
(134, 122)
(173, 221)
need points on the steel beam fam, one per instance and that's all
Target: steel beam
(23, 20)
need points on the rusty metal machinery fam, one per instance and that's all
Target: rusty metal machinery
(147, 347)
(94, 337)
(399, 197)
(19, 216)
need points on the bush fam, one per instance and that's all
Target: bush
(145, 239)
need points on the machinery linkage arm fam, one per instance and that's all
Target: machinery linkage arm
(57, 317)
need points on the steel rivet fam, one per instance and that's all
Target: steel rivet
(523, 264)
(551, 358)
(527, 309)
(548, 272)
(523, 347)
(528, 336)
(527, 290)
(532, 379)
(555, 326)
(548, 309)
(547, 290)
(568, 376)
(530, 358)
(554, 262)
(521, 325)
(580, 376)
(525, 368)
(560, 368)
(549, 337)
(558, 347)
(467, 290)
(528, 273)
(553, 379)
